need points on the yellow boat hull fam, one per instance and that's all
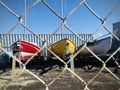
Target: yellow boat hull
(61, 47)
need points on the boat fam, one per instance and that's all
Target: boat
(62, 47)
(99, 47)
(24, 50)
(103, 48)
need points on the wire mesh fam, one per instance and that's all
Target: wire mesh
(64, 24)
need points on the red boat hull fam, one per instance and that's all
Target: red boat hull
(24, 50)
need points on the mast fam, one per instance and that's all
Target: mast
(25, 19)
(62, 14)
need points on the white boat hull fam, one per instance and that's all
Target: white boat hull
(98, 47)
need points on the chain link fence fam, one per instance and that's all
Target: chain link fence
(15, 74)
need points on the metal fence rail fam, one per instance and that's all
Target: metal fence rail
(11, 38)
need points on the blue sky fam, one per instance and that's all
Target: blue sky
(42, 21)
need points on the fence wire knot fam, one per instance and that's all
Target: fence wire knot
(86, 87)
(20, 19)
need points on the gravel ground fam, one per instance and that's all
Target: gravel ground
(105, 81)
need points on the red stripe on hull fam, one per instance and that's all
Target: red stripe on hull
(26, 47)
(29, 47)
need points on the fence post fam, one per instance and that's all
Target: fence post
(72, 65)
(13, 69)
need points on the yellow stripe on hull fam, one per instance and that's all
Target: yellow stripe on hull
(59, 47)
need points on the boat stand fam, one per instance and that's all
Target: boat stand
(18, 56)
(71, 59)
(118, 65)
(13, 69)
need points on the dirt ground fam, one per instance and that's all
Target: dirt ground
(105, 81)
